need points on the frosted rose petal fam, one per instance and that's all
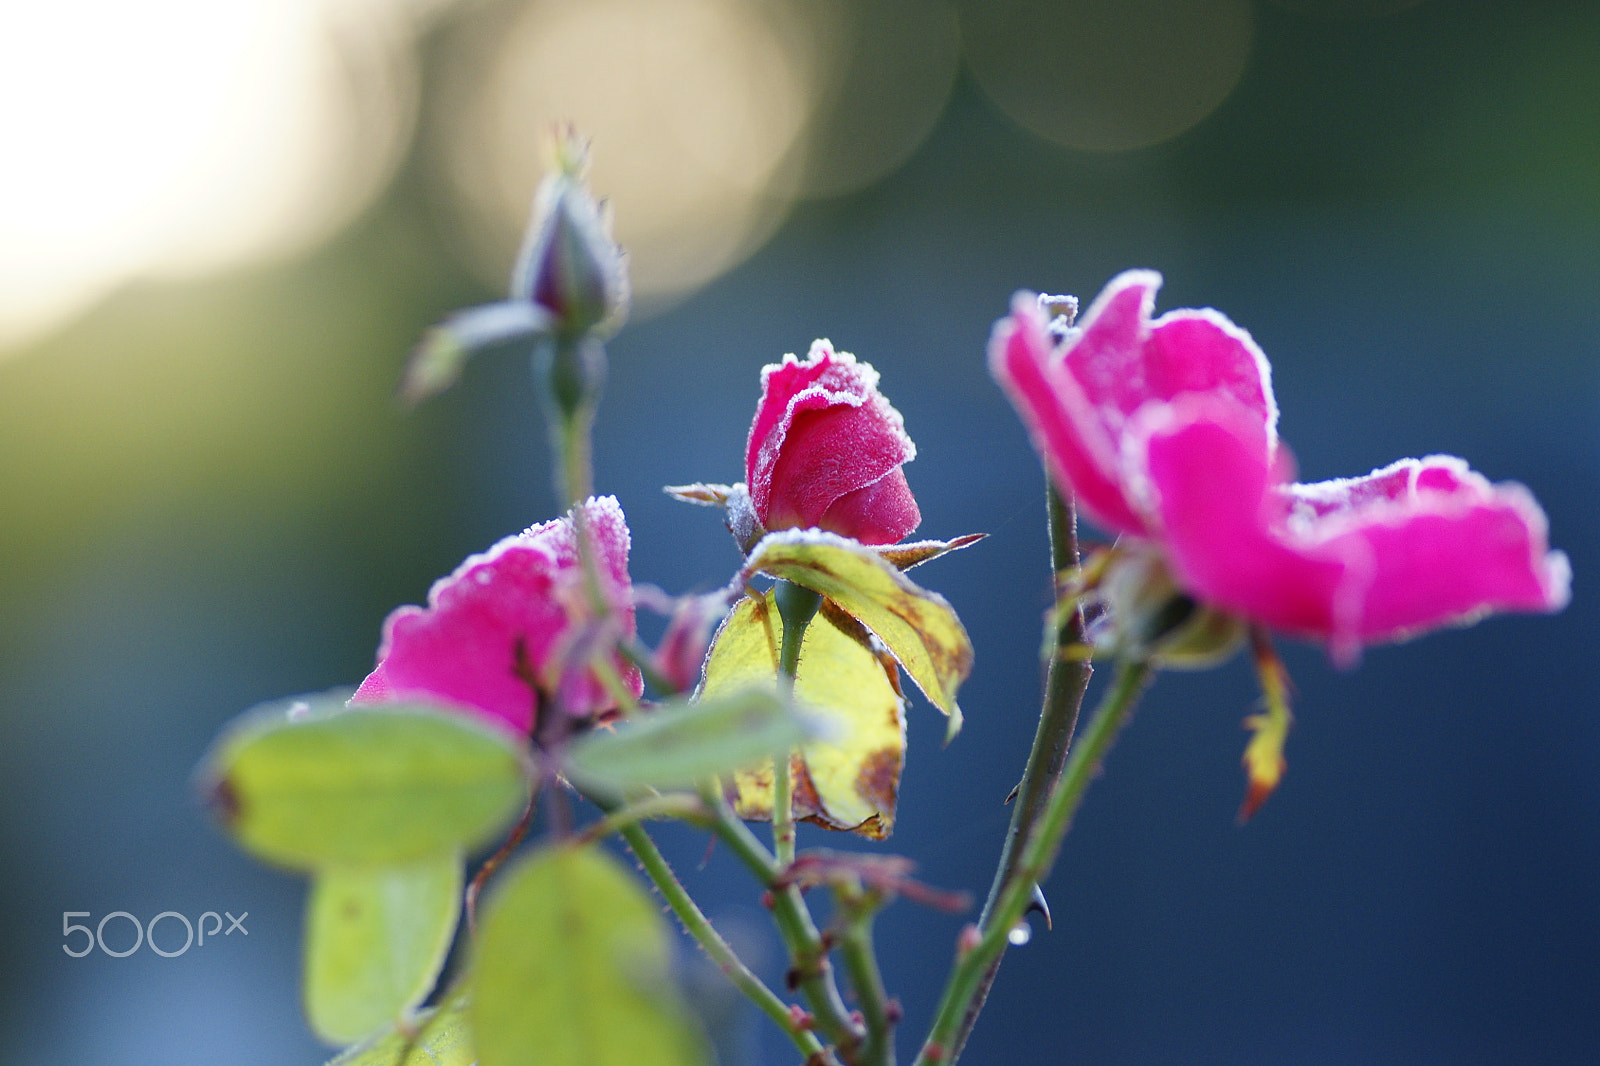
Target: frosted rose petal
(822, 439)
(1077, 449)
(496, 629)
(1411, 547)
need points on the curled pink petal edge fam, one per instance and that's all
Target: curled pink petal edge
(1076, 397)
(1413, 546)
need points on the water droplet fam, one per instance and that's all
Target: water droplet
(1020, 934)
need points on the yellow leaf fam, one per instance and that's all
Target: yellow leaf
(919, 627)
(849, 779)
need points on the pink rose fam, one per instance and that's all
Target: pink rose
(1166, 431)
(826, 449)
(509, 631)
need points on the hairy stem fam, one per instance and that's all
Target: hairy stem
(705, 934)
(1066, 680)
(812, 972)
(683, 806)
(1038, 853)
(861, 962)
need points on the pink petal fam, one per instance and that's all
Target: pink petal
(1411, 547)
(1210, 481)
(1122, 360)
(1077, 450)
(880, 513)
(376, 687)
(781, 385)
(1447, 547)
(1202, 351)
(1076, 399)
(496, 630)
(822, 432)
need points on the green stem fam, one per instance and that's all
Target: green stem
(1065, 683)
(1066, 680)
(577, 469)
(606, 672)
(811, 973)
(797, 606)
(705, 934)
(861, 962)
(1037, 855)
(577, 485)
(682, 806)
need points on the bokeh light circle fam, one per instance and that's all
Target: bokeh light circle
(883, 81)
(1107, 75)
(691, 106)
(174, 137)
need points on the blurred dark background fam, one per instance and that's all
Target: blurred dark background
(209, 499)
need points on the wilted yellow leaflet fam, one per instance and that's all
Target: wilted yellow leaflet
(919, 627)
(849, 780)
(1263, 756)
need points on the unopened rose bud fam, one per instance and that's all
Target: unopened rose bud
(682, 650)
(569, 265)
(826, 450)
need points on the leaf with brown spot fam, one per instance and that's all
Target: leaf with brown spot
(842, 681)
(310, 782)
(919, 627)
(905, 556)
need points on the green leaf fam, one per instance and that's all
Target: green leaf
(376, 937)
(441, 1038)
(437, 361)
(321, 783)
(571, 970)
(918, 627)
(681, 744)
(849, 778)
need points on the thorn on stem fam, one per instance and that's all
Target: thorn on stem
(1040, 904)
(970, 938)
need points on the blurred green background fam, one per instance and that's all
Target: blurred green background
(222, 228)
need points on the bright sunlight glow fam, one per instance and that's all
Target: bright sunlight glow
(170, 137)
